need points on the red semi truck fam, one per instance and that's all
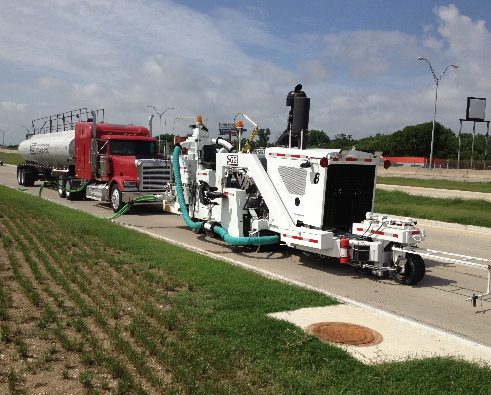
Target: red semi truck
(101, 161)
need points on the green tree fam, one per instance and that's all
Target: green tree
(262, 138)
(317, 139)
(342, 141)
(379, 142)
(415, 140)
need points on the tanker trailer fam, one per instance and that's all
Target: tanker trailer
(45, 156)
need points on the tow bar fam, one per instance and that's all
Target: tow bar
(449, 257)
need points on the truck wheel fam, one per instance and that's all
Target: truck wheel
(62, 187)
(68, 191)
(413, 273)
(116, 198)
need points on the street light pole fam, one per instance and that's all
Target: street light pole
(3, 137)
(160, 115)
(437, 83)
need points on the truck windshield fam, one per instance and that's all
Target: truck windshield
(132, 147)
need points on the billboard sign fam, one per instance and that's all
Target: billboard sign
(476, 108)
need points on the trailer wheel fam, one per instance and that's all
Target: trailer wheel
(62, 187)
(20, 177)
(116, 198)
(413, 273)
(29, 178)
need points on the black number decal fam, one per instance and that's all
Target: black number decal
(232, 160)
(316, 178)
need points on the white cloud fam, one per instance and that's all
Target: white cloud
(369, 52)
(93, 53)
(11, 106)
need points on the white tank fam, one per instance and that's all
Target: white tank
(53, 150)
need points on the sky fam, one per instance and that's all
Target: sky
(357, 61)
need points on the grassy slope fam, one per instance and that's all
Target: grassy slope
(440, 184)
(12, 158)
(225, 343)
(462, 211)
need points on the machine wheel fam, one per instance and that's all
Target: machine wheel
(414, 271)
(116, 198)
(62, 187)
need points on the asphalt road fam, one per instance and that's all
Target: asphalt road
(438, 300)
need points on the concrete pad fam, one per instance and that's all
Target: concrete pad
(402, 338)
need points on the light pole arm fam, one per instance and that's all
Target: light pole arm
(432, 71)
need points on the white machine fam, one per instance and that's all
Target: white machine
(316, 200)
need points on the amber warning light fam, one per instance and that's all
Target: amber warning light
(240, 124)
(199, 119)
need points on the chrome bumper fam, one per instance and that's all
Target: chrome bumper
(130, 196)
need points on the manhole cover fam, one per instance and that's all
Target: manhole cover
(345, 333)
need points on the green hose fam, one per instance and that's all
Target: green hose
(127, 206)
(55, 186)
(245, 241)
(236, 241)
(143, 198)
(180, 195)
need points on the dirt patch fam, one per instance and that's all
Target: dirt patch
(75, 320)
(31, 360)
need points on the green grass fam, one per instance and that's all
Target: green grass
(439, 184)
(461, 211)
(201, 320)
(12, 158)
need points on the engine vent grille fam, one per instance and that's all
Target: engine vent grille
(294, 179)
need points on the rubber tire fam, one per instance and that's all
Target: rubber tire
(414, 273)
(70, 195)
(20, 176)
(62, 187)
(29, 179)
(116, 198)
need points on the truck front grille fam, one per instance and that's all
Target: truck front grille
(154, 174)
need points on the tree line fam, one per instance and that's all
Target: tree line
(413, 140)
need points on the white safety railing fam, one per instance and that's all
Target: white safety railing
(458, 259)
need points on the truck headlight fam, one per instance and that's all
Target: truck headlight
(129, 184)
